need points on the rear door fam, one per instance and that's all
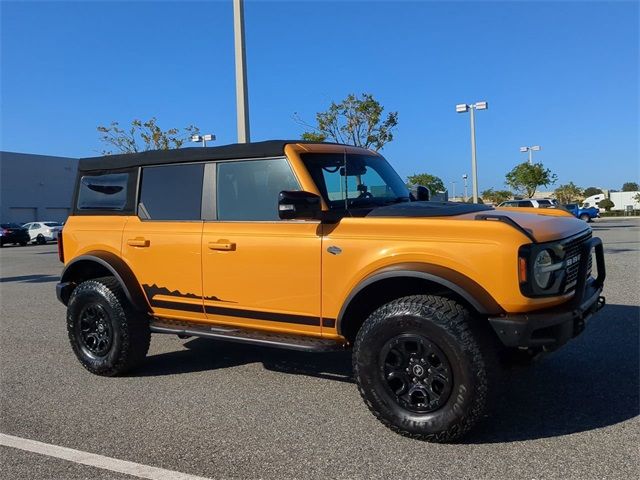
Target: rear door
(162, 244)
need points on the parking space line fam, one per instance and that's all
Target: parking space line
(93, 460)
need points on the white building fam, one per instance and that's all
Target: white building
(35, 187)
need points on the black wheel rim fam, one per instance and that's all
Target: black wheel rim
(416, 372)
(95, 330)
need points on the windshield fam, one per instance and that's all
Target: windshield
(355, 180)
(10, 225)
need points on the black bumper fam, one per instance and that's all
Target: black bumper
(551, 328)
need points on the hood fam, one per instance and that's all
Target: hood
(544, 224)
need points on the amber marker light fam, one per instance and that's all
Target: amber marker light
(522, 269)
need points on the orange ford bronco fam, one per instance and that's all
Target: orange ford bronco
(318, 247)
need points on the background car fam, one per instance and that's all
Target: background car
(586, 214)
(43, 232)
(12, 233)
(531, 203)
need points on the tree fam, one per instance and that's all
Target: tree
(433, 183)
(636, 197)
(526, 178)
(606, 204)
(355, 121)
(142, 136)
(496, 196)
(630, 187)
(568, 193)
(590, 191)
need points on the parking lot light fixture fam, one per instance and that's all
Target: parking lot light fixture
(462, 108)
(209, 137)
(534, 148)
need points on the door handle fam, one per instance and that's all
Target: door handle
(222, 245)
(138, 242)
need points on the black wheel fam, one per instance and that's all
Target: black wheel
(423, 368)
(107, 335)
(585, 217)
(23, 244)
(40, 239)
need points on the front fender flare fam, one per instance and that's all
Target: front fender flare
(469, 290)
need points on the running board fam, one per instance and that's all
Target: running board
(253, 337)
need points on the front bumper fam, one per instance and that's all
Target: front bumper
(552, 328)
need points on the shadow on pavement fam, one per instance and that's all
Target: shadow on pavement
(31, 279)
(591, 383)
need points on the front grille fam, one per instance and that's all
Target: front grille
(573, 249)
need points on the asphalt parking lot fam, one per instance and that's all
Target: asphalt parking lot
(231, 411)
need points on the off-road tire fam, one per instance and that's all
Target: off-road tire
(469, 349)
(130, 329)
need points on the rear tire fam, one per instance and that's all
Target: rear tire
(23, 244)
(438, 391)
(107, 334)
(585, 217)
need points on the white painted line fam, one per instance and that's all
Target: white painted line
(93, 460)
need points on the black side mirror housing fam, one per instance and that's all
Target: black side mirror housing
(420, 193)
(299, 205)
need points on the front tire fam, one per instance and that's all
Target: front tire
(107, 335)
(423, 368)
(585, 217)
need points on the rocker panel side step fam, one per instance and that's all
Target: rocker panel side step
(253, 337)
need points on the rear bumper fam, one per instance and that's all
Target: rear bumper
(552, 328)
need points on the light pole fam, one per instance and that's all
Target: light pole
(242, 97)
(461, 108)
(209, 137)
(453, 188)
(464, 177)
(535, 148)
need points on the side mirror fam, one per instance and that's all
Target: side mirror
(299, 205)
(420, 193)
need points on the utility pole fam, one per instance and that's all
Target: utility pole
(242, 96)
(464, 177)
(461, 108)
(453, 185)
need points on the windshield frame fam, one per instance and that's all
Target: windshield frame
(315, 162)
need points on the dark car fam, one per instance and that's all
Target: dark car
(13, 233)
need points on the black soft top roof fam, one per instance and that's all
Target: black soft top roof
(270, 148)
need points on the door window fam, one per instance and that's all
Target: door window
(248, 190)
(172, 192)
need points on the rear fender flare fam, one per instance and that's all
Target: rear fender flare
(78, 269)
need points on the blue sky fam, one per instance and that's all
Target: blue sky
(563, 75)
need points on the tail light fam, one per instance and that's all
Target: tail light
(60, 247)
(4, 231)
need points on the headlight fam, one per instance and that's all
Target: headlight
(542, 269)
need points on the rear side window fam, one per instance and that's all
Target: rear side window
(107, 192)
(172, 192)
(525, 203)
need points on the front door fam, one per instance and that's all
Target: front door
(163, 243)
(259, 271)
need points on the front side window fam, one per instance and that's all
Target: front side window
(248, 190)
(351, 181)
(103, 192)
(172, 192)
